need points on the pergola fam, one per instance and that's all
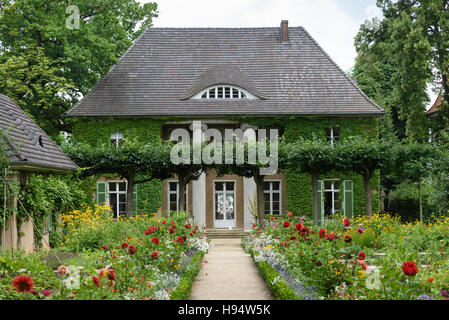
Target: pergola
(29, 150)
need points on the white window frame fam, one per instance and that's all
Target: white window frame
(332, 190)
(222, 223)
(117, 192)
(117, 136)
(177, 195)
(271, 191)
(247, 95)
(332, 136)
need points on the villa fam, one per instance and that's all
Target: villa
(265, 77)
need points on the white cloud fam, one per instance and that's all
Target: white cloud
(372, 11)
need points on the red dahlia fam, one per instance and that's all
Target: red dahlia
(346, 222)
(112, 275)
(155, 240)
(286, 224)
(361, 255)
(124, 245)
(409, 268)
(151, 230)
(348, 238)
(322, 233)
(96, 281)
(23, 283)
(132, 249)
(155, 254)
(298, 227)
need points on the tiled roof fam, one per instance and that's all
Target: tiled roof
(167, 65)
(31, 148)
(435, 105)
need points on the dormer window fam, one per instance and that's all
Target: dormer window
(116, 138)
(224, 92)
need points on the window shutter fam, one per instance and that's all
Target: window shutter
(321, 201)
(102, 193)
(135, 199)
(348, 200)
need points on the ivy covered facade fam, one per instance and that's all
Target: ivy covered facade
(230, 78)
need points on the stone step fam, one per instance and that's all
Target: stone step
(226, 233)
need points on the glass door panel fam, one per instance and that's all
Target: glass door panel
(224, 204)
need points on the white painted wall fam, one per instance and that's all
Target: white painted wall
(249, 194)
(199, 200)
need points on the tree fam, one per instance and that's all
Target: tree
(127, 160)
(413, 162)
(363, 157)
(45, 66)
(310, 156)
(414, 36)
(373, 72)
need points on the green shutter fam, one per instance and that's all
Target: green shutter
(321, 201)
(348, 200)
(134, 199)
(102, 193)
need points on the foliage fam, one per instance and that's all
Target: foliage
(44, 197)
(129, 159)
(363, 259)
(95, 133)
(143, 258)
(38, 49)
(399, 56)
(182, 291)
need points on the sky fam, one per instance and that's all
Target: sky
(333, 23)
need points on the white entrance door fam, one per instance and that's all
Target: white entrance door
(224, 204)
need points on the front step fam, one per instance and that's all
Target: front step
(226, 233)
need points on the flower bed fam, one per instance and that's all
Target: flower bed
(140, 258)
(367, 258)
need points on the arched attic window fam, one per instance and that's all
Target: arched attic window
(224, 92)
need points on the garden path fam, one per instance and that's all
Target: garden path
(229, 274)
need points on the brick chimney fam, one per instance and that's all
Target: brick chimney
(284, 31)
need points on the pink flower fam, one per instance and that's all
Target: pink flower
(363, 264)
(46, 292)
(62, 270)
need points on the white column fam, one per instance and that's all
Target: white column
(249, 195)
(199, 200)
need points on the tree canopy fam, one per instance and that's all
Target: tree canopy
(46, 67)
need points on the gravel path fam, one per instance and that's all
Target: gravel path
(229, 274)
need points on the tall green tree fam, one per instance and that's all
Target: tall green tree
(373, 70)
(49, 58)
(413, 37)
